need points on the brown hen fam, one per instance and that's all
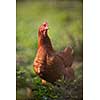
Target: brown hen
(51, 65)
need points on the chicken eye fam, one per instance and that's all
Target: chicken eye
(45, 25)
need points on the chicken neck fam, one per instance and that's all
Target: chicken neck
(44, 41)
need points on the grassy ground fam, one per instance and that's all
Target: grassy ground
(65, 28)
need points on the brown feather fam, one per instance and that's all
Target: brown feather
(48, 64)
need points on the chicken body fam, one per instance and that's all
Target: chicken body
(51, 65)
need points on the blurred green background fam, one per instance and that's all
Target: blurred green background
(65, 28)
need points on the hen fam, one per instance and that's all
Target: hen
(49, 64)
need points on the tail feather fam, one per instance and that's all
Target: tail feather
(67, 56)
(69, 50)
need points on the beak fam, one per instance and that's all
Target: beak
(46, 27)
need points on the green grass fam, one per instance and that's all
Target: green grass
(61, 22)
(65, 28)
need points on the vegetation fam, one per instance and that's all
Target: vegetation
(65, 28)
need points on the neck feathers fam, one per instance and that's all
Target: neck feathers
(44, 41)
